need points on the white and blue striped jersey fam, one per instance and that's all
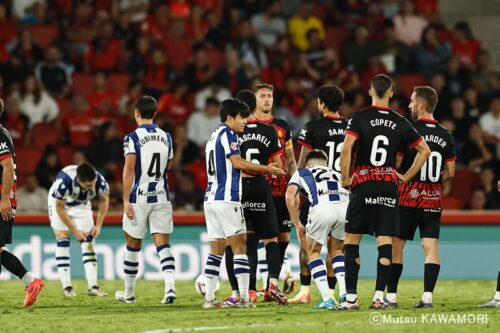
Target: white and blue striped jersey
(224, 181)
(66, 188)
(321, 184)
(153, 149)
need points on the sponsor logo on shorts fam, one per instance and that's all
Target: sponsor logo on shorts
(254, 206)
(385, 201)
(287, 223)
(150, 193)
(329, 192)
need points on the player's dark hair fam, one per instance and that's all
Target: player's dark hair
(263, 86)
(428, 95)
(381, 83)
(332, 96)
(316, 154)
(233, 107)
(85, 172)
(146, 105)
(248, 97)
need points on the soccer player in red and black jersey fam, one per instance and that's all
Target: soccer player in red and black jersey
(420, 198)
(375, 134)
(8, 201)
(263, 113)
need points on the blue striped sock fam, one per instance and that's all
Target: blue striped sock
(242, 272)
(318, 272)
(63, 262)
(338, 263)
(130, 268)
(211, 276)
(167, 263)
(89, 259)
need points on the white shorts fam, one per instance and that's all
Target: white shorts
(224, 219)
(158, 217)
(81, 216)
(327, 220)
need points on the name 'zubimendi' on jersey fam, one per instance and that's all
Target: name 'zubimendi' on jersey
(222, 206)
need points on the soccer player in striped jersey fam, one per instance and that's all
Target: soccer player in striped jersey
(148, 157)
(327, 217)
(70, 210)
(223, 210)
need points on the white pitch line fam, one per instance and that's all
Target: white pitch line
(203, 328)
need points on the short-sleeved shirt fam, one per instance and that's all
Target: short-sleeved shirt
(224, 180)
(379, 132)
(326, 133)
(424, 190)
(7, 151)
(66, 188)
(153, 149)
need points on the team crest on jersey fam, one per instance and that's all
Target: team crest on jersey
(363, 172)
(234, 145)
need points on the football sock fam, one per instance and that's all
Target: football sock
(384, 252)
(167, 263)
(285, 268)
(351, 253)
(13, 264)
(332, 282)
(252, 242)
(262, 263)
(229, 258)
(282, 246)
(497, 294)
(305, 283)
(89, 260)
(339, 271)
(318, 272)
(273, 261)
(130, 268)
(63, 262)
(394, 276)
(211, 276)
(27, 279)
(242, 272)
(431, 272)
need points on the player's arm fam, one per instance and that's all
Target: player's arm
(291, 164)
(102, 211)
(423, 153)
(7, 183)
(63, 215)
(128, 179)
(345, 160)
(302, 158)
(291, 203)
(449, 171)
(242, 164)
(169, 164)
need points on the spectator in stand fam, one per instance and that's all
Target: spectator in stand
(219, 29)
(471, 104)
(8, 33)
(320, 58)
(268, 25)
(392, 50)
(464, 44)
(29, 11)
(103, 54)
(459, 115)
(281, 64)
(214, 90)
(177, 44)
(27, 49)
(81, 30)
(140, 59)
(374, 66)
(157, 23)
(134, 91)
(291, 99)
(408, 25)
(106, 150)
(481, 75)
(438, 82)
(53, 74)
(16, 122)
(79, 123)
(35, 103)
(185, 150)
(457, 77)
(231, 74)
(357, 49)
(350, 12)
(431, 53)
(48, 167)
(79, 156)
(175, 105)
(137, 9)
(476, 153)
(477, 200)
(202, 123)
(196, 25)
(159, 75)
(490, 124)
(449, 124)
(187, 198)
(389, 8)
(32, 198)
(126, 31)
(301, 23)
(488, 185)
(102, 102)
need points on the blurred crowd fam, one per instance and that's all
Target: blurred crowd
(70, 71)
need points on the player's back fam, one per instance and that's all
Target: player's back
(424, 190)
(153, 149)
(326, 133)
(259, 143)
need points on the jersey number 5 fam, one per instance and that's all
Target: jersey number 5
(154, 167)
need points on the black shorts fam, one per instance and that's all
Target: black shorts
(284, 222)
(6, 232)
(304, 212)
(427, 221)
(373, 209)
(258, 207)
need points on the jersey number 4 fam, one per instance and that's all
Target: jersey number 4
(154, 167)
(211, 163)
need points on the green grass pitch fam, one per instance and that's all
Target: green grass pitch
(53, 313)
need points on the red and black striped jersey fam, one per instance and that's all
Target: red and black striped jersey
(424, 190)
(326, 133)
(7, 151)
(380, 132)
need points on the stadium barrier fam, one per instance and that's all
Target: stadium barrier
(464, 235)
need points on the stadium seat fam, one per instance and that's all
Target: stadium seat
(408, 81)
(215, 57)
(43, 135)
(83, 84)
(64, 108)
(44, 34)
(453, 202)
(65, 154)
(26, 159)
(463, 183)
(118, 83)
(335, 37)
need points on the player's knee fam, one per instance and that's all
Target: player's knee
(385, 254)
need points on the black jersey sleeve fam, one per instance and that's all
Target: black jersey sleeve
(353, 126)
(451, 154)
(305, 136)
(5, 146)
(410, 134)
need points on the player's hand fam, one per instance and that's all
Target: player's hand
(6, 210)
(129, 210)
(301, 234)
(347, 181)
(80, 235)
(401, 178)
(96, 231)
(272, 169)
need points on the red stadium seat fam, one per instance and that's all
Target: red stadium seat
(43, 135)
(26, 159)
(83, 84)
(64, 108)
(118, 83)
(44, 34)
(463, 183)
(215, 57)
(335, 37)
(453, 202)
(65, 154)
(409, 81)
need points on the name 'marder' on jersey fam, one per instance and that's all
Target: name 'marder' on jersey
(153, 149)
(320, 184)
(66, 188)
(424, 190)
(224, 181)
(380, 132)
(6, 151)
(326, 133)
(258, 143)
